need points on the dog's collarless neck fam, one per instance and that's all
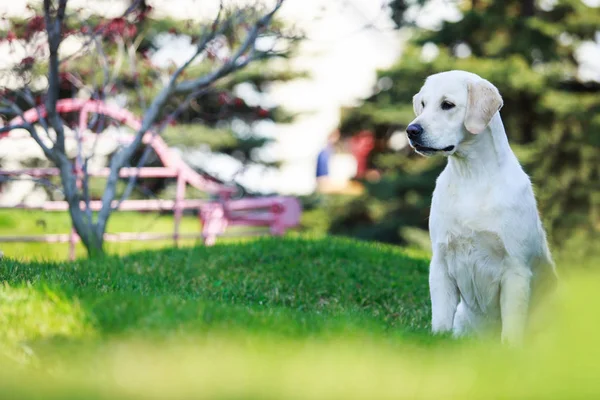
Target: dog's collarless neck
(482, 154)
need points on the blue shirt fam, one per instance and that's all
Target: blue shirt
(323, 162)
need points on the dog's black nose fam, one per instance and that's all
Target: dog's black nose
(414, 130)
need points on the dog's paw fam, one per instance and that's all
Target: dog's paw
(511, 340)
(440, 329)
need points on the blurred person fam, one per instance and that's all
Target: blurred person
(336, 168)
(324, 183)
(361, 145)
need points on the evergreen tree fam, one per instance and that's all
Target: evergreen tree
(551, 114)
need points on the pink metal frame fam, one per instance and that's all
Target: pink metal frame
(278, 213)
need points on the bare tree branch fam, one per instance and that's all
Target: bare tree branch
(147, 150)
(164, 94)
(196, 85)
(150, 116)
(234, 63)
(28, 97)
(60, 13)
(42, 181)
(8, 128)
(48, 152)
(54, 30)
(131, 51)
(118, 61)
(103, 61)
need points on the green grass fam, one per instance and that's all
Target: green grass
(291, 287)
(293, 318)
(21, 223)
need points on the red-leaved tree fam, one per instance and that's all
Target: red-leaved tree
(225, 45)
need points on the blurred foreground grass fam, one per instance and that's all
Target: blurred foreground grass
(270, 319)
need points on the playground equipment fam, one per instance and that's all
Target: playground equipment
(278, 213)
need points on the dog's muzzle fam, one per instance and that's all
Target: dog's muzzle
(418, 147)
(414, 132)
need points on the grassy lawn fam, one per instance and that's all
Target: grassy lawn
(291, 318)
(20, 223)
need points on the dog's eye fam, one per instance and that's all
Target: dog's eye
(423, 104)
(446, 105)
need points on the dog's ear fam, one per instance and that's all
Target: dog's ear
(417, 104)
(484, 101)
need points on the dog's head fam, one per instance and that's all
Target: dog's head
(451, 107)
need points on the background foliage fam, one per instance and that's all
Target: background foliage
(551, 114)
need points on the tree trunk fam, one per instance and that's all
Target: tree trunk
(91, 239)
(93, 243)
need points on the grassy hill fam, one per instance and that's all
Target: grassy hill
(292, 318)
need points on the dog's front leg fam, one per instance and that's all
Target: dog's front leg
(514, 303)
(444, 296)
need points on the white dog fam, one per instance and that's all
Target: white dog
(489, 246)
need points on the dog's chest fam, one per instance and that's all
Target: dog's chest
(458, 212)
(475, 263)
(465, 228)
